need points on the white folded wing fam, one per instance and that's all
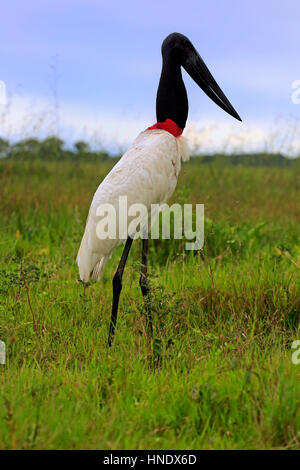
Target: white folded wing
(146, 174)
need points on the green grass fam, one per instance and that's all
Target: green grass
(218, 374)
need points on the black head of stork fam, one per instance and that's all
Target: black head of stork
(171, 101)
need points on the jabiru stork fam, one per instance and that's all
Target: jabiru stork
(147, 173)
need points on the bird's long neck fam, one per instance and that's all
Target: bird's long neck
(171, 99)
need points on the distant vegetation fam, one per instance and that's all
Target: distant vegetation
(51, 149)
(54, 149)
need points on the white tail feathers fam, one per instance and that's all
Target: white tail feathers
(91, 265)
(89, 269)
(99, 268)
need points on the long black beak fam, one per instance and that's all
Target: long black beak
(196, 68)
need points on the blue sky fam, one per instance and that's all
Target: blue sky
(91, 68)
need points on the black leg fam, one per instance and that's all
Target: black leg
(117, 287)
(144, 284)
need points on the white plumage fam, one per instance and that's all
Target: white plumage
(147, 174)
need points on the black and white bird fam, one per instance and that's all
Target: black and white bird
(147, 173)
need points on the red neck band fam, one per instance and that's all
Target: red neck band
(169, 126)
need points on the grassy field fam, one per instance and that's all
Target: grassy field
(218, 374)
